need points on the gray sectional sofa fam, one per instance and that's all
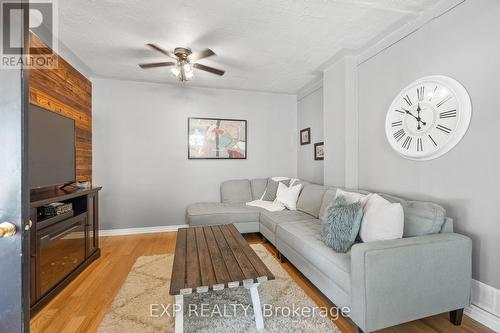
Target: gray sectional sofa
(383, 283)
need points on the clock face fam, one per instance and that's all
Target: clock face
(428, 118)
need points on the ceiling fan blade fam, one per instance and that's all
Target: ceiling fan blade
(157, 64)
(209, 69)
(165, 52)
(201, 54)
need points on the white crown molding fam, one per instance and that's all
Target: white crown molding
(384, 41)
(310, 88)
(485, 307)
(387, 38)
(144, 230)
(338, 57)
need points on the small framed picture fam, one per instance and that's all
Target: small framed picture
(305, 136)
(319, 151)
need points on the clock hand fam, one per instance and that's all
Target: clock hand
(418, 117)
(418, 114)
(411, 114)
(419, 120)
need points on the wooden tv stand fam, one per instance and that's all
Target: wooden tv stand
(61, 246)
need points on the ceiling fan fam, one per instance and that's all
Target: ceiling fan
(185, 62)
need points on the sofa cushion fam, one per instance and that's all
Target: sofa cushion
(305, 238)
(328, 198)
(236, 191)
(258, 187)
(310, 199)
(221, 213)
(272, 219)
(296, 181)
(421, 218)
(272, 188)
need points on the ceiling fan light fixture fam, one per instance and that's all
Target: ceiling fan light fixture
(183, 70)
(188, 75)
(176, 70)
(184, 67)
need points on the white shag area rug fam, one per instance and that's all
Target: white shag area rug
(144, 305)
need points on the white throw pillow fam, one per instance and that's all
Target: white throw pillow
(271, 206)
(352, 197)
(277, 179)
(382, 220)
(288, 196)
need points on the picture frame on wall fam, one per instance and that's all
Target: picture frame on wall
(217, 138)
(305, 136)
(319, 151)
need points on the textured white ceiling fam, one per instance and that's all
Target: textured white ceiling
(265, 45)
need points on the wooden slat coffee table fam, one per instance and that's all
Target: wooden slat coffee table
(212, 258)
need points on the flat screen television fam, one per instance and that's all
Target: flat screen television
(51, 152)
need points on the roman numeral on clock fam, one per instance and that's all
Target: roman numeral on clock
(397, 123)
(420, 146)
(420, 93)
(400, 111)
(446, 99)
(444, 129)
(407, 142)
(433, 142)
(399, 135)
(408, 100)
(448, 114)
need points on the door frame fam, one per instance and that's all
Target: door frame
(25, 191)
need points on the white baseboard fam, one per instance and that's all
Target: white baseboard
(143, 230)
(483, 317)
(485, 307)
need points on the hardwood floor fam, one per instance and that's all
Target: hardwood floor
(82, 305)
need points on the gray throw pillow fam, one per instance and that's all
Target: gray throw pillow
(272, 188)
(342, 224)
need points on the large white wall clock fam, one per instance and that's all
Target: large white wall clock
(428, 118)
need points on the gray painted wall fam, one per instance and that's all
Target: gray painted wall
(463, 44)
(140, 147)
(334, 104)
(310, 114)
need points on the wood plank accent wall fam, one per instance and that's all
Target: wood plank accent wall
(66, 91)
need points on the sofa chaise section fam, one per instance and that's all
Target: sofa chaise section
(245, 218)
(232, 208)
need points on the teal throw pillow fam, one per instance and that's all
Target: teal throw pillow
(342, 224)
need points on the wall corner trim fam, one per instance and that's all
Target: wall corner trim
(351, 122)
(143, 230)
